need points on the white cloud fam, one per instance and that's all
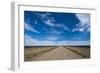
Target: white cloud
(30, 28)
(29, 41)
(49, 22)
(84, 18)
(43, 15)
(74, 43)
(84, 24)
(79, 29)
(58, 25)
(54, 31)
(52, 38)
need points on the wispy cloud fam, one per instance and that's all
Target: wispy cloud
(29, 41)
(43, 15)
(84, 24)
(73, 43)
(30, 28)
(49, 20)
(52, 22)
(52, 38)
(84, 18)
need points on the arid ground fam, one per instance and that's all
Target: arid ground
(41, 53)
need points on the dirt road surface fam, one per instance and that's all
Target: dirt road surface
(59, 53)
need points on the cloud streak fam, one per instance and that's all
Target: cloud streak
(30, 28)
(29, 41)
(52, 38)
(74, 43)
(49, 20)
(84, 24)
(84, 18)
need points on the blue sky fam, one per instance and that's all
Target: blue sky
(55, 28)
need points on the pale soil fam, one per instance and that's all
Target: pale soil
(60, 53)
(85, 51)
(37, 49)
(57, 53)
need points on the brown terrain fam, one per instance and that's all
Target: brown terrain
(56, 53)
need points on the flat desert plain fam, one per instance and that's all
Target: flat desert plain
(43, 53)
